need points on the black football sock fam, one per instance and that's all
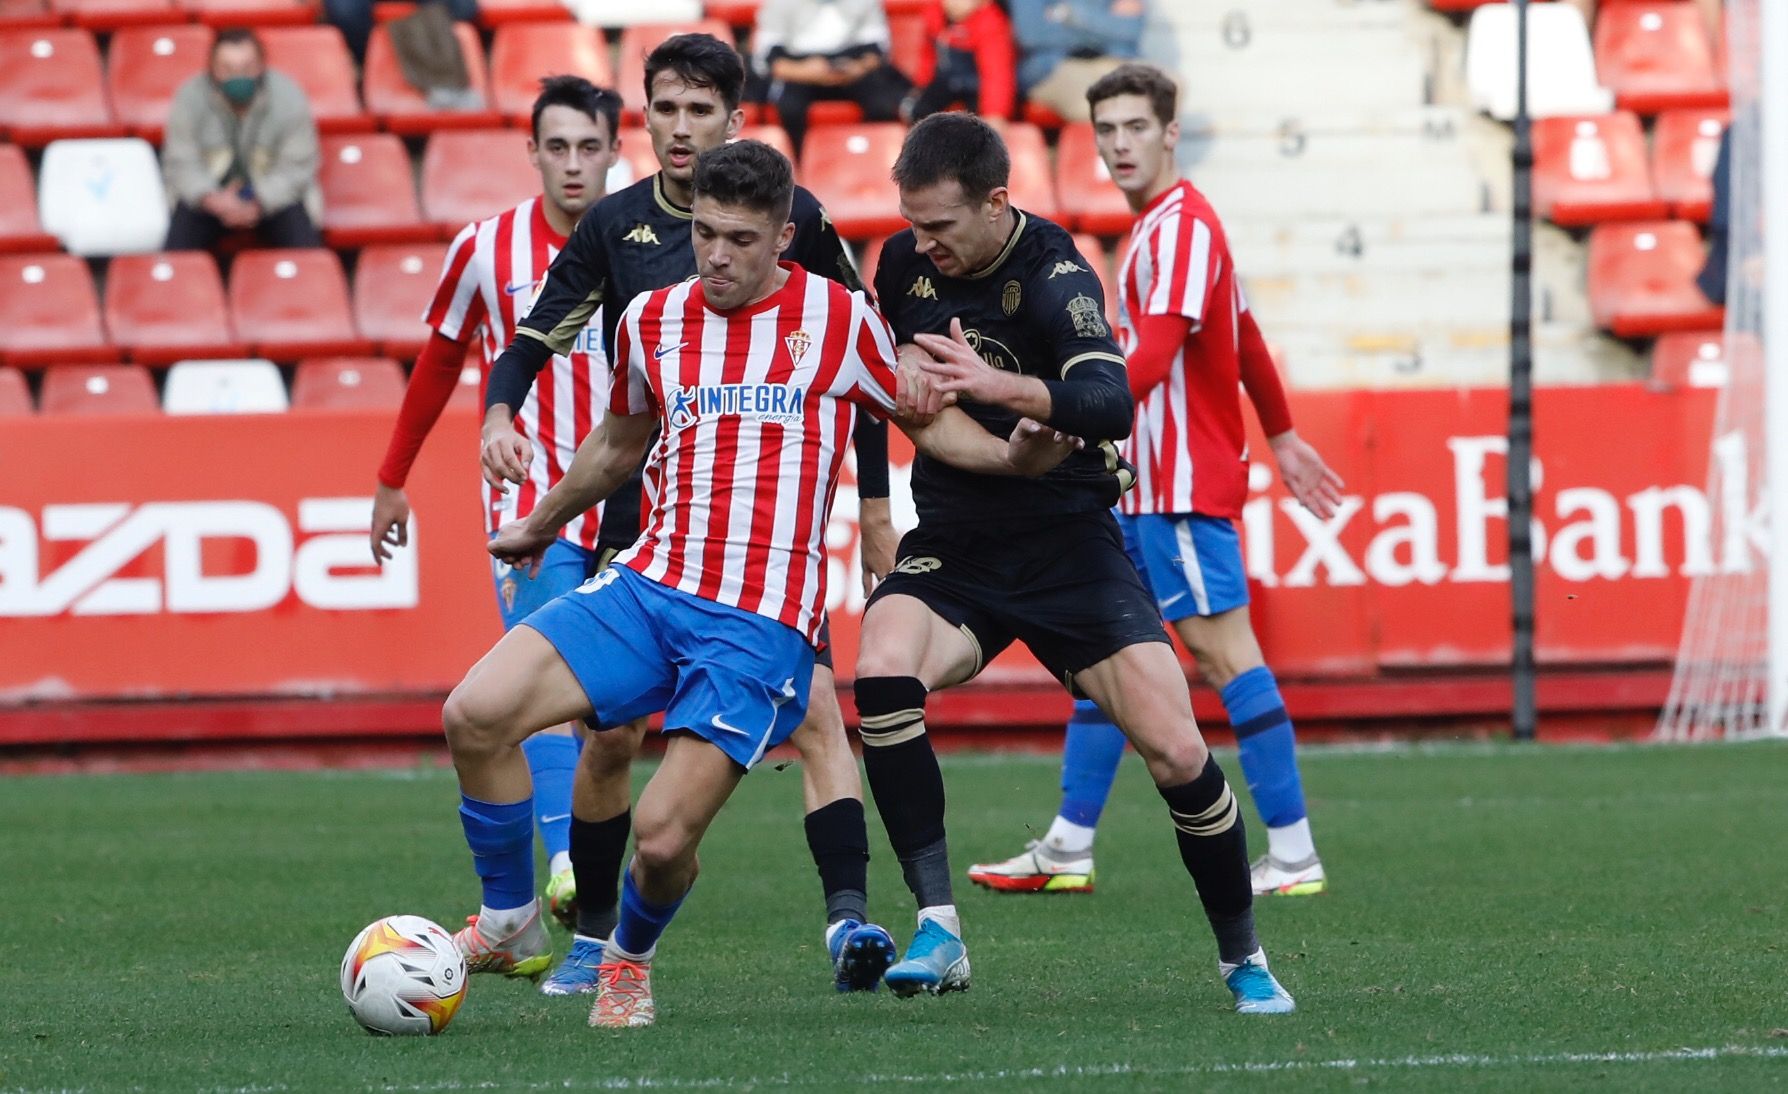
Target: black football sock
(597, 848)
(905, 781)
(1208, 822)
(839, 839)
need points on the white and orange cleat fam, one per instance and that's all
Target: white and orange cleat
(623, 995)
(1272, 877)
(526, 953)
(1038, 870)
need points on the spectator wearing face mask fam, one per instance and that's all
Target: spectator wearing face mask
(241, 152)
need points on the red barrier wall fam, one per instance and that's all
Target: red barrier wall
(226, 556)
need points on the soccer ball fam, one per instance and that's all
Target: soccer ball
(403, 975)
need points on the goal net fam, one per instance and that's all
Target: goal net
(1731, 679)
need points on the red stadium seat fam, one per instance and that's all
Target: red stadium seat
(1689, 359)
(99, 389)
(1032, 185)
(1642, 279)
(392, 288)
(903, 7)
(20, 230)
(906, 41)
(102, 15)
(348, 383)
(252, 13)
(1656, 56)
(369, 192)
(1684, 146)
(1094, 250)
(471, 175)
(402, 109)
(162, 308)
(853, 182)
(317, 59)
(21, 14)
(501, 13)
(15, 394)
(636, 149)
(52, 86)
(1042, 117)
(294, 303)
(1090, 201)
(773, 135)
(49, 313)
(734, 13)
(643, 38)
(144, 68)
(524, 52)
(1588, 170)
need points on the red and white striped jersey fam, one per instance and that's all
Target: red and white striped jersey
(493, 273)
(757, 407)
(1188, 446)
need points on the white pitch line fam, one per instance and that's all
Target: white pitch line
(1059, 1072)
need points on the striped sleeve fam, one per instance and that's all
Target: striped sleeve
(458, 306)
(632, 391)
(1185, 267)
(871, 361)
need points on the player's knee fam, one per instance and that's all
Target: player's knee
(608, 754)
(661, 844)
(890, 710)
(1176, 760)
(472, 721)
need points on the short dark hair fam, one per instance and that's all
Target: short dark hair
(235, 36)
(748, 173)
(580, 95)
(953, 146)
(1137, 78)
(699, 60)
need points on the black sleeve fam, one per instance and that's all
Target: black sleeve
(1091, 396)
(817, 248)
(871, 441)
(512, 374)
(1095, 403)
(573, 289)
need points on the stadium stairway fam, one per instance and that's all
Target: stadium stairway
(1366, 203)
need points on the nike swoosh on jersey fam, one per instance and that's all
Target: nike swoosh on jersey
(518, 287)
(662, 352)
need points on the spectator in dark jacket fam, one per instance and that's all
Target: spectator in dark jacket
(968, 57)
(1712, 278)
(827, 49)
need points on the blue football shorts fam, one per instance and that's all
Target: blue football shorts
(1191, 563)
(519, 596)
(734, 678)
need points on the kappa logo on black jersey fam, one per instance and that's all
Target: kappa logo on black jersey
(922, 288)
(1065, 267)
(642, 233)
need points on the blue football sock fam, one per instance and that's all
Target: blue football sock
(1089, 763)
(641, 920)
(1269, 750)
(552, 759)
(502, 841)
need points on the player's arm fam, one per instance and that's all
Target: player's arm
(1090, 400)
(954, 438)
(453, 314)
(1311, 481)
(572, 292)
(604, 463)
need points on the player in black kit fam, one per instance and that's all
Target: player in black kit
(1007, 319)
(635, 241)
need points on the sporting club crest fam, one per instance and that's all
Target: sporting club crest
(797, 342)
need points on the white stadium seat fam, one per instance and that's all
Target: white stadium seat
(250, 386)
(1561, 66)
(103, 197)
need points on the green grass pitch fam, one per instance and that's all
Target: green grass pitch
(1501, 918)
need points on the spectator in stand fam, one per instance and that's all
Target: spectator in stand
(1066, 45)
(354, 18)
(1712, 278)
(241, 152)
(968, 57)
(811, 50)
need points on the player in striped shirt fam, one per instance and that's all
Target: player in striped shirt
(492, 274)
(744, 382)
(1192, 345)
(637, 240)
